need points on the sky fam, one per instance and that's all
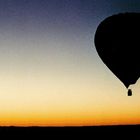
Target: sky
(51, 74)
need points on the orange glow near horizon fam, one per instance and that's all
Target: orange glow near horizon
(60, 109)
(37, 120)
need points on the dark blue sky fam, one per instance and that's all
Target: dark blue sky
(65, 14)
(70, 23)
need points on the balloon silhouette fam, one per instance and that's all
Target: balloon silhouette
(117, 41)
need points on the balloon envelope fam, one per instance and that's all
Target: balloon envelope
(117, 41)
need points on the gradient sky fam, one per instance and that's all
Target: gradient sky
(50, 72)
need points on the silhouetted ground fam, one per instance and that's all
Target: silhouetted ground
(94, 132)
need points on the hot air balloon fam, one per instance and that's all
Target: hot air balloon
(117, 41)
